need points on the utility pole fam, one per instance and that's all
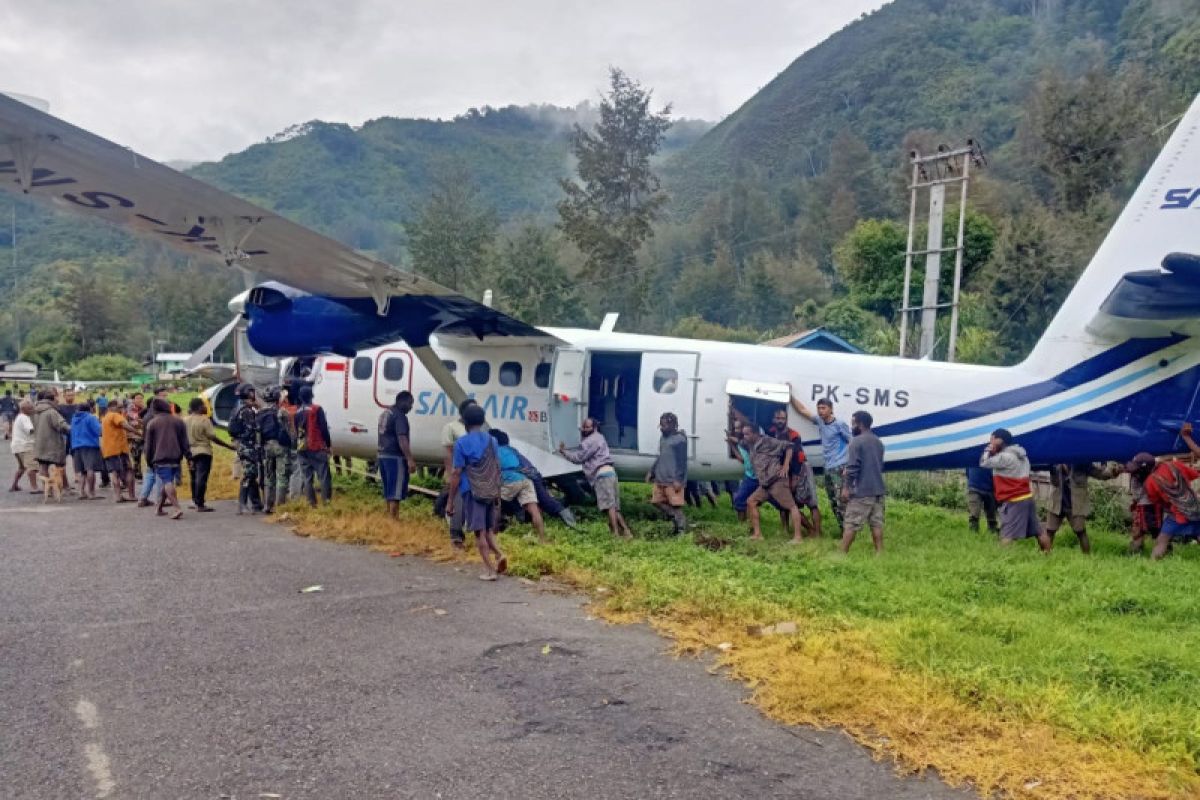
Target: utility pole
(936, 172)
(16, 308)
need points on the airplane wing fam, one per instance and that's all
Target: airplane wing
(77, 171)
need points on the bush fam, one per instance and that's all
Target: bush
(103, 368)
(942, 489)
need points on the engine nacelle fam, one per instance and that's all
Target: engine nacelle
(293, 324)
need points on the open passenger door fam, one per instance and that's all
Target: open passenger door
(568, 397)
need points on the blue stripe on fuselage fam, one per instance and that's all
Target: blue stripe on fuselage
(1095, 367)
(1148, 420)
(1028, 416)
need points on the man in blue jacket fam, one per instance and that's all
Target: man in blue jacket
(85, 448)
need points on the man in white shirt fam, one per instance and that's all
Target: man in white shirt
(22, 447)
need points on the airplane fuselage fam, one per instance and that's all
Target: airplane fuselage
(930, 414)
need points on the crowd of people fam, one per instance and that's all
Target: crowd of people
(283, 448)
(1164, 507)
(114, 444)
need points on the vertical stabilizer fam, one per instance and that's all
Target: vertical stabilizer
(1161, 218)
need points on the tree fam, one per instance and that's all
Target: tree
(451, 239)
(1080, 127)
(697, 328)
(1030, 276)
(870, 260)
(610, 215)
(106, 367)
(850, 322)
(531, 282)
(771, 287)
(703, 289)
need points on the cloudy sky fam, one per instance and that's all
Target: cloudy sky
(196, 80)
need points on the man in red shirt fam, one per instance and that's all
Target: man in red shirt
(1169, 488)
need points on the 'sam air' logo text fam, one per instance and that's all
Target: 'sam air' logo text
(1182, 198)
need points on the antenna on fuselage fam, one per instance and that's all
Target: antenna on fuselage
(610, 322)
(487, 298)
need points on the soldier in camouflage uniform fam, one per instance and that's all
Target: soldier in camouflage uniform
(276, 432)
(243, 427)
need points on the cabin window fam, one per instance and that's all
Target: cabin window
(666, 381)
(541, 376)
(393, 369)
(361, 370)
(510, 373)
(450, 365)
(479, 372)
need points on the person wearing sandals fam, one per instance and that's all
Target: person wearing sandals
(166, 447)
(475, 481)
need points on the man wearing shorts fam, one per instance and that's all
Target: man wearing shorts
(516, 485)
(85, 443)
(1071, 499)
(1010, 476)
(800, 475)
(451, 433)
(863, 489)
(22, 447)
(1169, 488)
(167, 447)
(593, 455)
(394, 457)
(835, 444)
(769, 458)
(668, 474)
(475, 483)
(115, 431)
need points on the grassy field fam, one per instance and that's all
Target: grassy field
(1065, 676)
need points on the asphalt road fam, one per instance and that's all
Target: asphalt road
(144, 658)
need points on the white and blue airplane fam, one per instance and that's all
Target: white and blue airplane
(1116, 372)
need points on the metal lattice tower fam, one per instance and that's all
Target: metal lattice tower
(936, 172)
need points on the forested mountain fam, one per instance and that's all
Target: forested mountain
(958, 67)
(361, 185)
(791, 212)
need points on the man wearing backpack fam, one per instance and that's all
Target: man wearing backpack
(475, 482)
(1168, 487)
(243, 428)
(274, 429)
(312, 447)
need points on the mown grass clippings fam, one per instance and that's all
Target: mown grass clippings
(1059, 677)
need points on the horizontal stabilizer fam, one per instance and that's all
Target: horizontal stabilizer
(1152, 303)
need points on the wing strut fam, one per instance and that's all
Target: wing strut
(444, 377)
(25, 153)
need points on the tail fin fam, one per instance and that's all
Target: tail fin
(1162, 217)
